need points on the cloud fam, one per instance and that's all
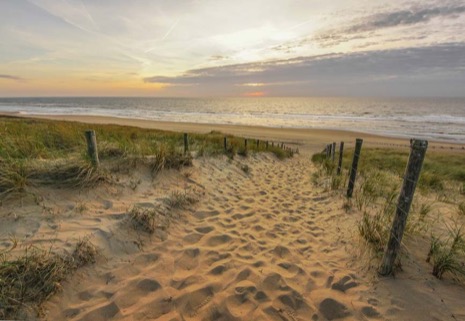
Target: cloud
(362, 27)
(441, 67)
(11, 77)
(405, 17)
(372, 28)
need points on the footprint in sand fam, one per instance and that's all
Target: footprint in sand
(218, 240)
(190, 304)
(186, 282)
(192, 238)
(103, 312)
(189, 259)
(344, 284)
(332, 309)
(206, 214)
(204, 229)
(148, 285)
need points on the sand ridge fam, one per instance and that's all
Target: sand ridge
(259, 246)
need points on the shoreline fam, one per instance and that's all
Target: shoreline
(311, 139)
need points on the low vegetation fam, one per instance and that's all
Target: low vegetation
(379, 179)
(44, 152)
(447, 254)
(144, 219)
(182, 199)
(28, 280)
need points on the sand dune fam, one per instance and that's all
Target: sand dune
(262, 244)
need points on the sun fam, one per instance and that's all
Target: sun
(255, 94)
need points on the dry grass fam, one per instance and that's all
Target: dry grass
(84, 253)
(14, 178)
(17, 176)
(169, 158)
(182, 199)
(149, 219)
(461, 209)
(28, 280)
(144, 219)
(70, 173)
(375, 229)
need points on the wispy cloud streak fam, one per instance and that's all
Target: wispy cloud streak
(405, 17)
(11, 77)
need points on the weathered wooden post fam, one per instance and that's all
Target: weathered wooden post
(341, 154)
(186, 143)
(353, 171)
(272, 144)
(282, 145)
(92, 147)
(411, 176)
(225, 143)
(333, 149)
(266, 144)
(258, 144)
(327, 151)
(245, 143)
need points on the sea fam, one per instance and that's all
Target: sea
(439, 119)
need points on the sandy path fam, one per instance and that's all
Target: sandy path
(259, 246)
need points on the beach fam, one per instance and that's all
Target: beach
(259, 241)
(232, 160)
(311, 140)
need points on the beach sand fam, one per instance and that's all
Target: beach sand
(261, 244)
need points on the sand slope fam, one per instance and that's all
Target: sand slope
(265, 245)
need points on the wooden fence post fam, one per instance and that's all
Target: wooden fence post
(353, 171)
(258, 143)
(266, 144)
(282, 145)
(225, 143)
(186, 143)
(333, 149)
(92, 147)
(341, 154)
(327, 151)
(411, 176)
(245, 143)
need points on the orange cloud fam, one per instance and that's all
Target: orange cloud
(255, 94)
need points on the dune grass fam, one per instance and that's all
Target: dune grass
(44, 152)
(447, 253)
(143, 219)
(183, 199)
(439, 167)
(30, 279)
(442, 170)
(378, 184)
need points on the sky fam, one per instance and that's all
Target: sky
(232, 48)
